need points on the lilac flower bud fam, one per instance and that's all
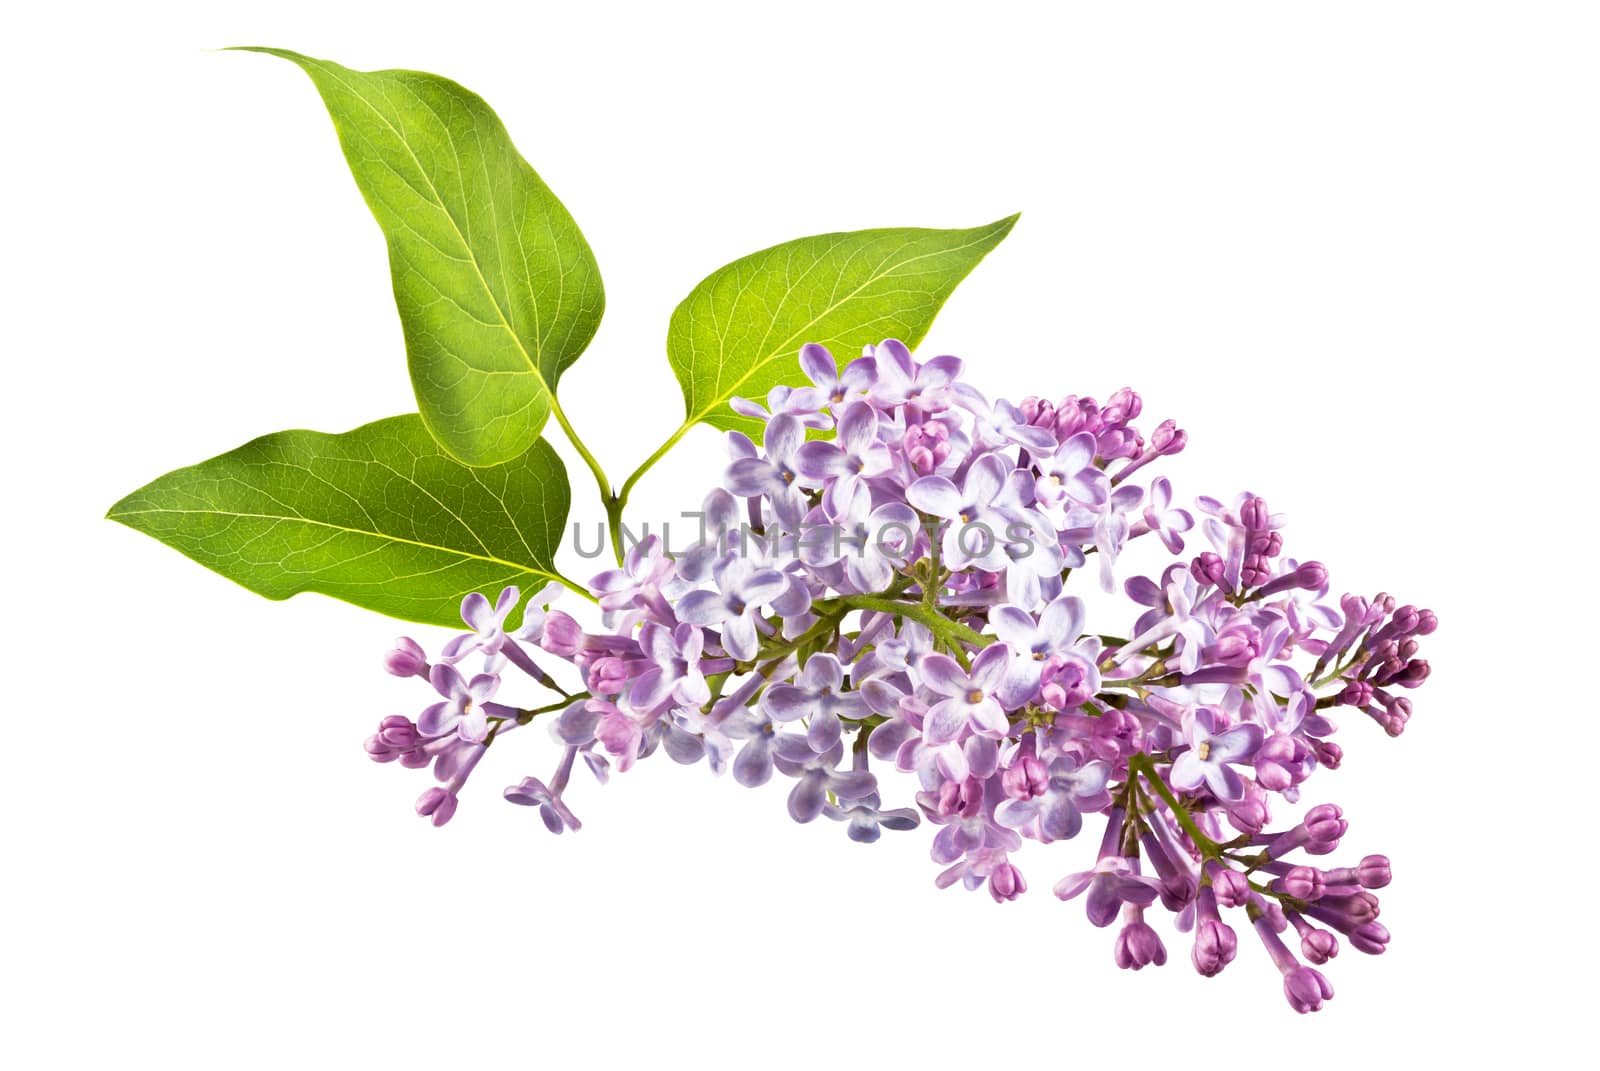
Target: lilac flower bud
(1006, 883)
(1345, 913)
(1138, 946)
(561, 636)
(1255, 570)
(407, 659)
(1426, 623)
(1065, 683)
(1312, 576)
(1209, 568)
(1396, 712)
(1319, 833)
(1371, 938)
(436, 804)
(926, 446)
(1168, 438)
(1253, 514)
(1328, 753)
(964, 798)
(1232, 889)
(1318, 946)
(1415, 672)
(1115, 443)
(608, 676)
(1250, 814)
(1027, 778)
(1238, 644)
(1122, 407)
(1300, 882)
(1076, 414)
(398, 731)
(1306, 989)
(1373, 872)
(1281, 762)
(1356, 694)
(1215, 945)
(1038, 413)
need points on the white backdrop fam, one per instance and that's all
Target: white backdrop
(1351, 248)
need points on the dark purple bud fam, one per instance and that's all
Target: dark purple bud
(1426, 623)
(1138, 947)
(1306, 989)
(1301, 882)
(1232, 888)
(561, 635)
(1076, 414)
(1328, 753)
(436, 804)
(1038, 412)
(1209, 568)
(1345, 913)
(1318, 946)
(407, 659)
(964, 799)
(1396, 713)
(608, 676)
(1064, 683)
(1356, 694)
(1005, 883)
(1253, 514)
(1026, 778)
(1168, 438)
(1371, 938)
(1312, 576)
(1355, 607)
(1373, 872)
(1255, 570)
(1215, 945)
(1122, 407)
(1249, 815)
(1415, 672)
(1237, 645)
(1117, 443)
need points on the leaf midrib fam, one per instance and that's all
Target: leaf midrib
(520, 566)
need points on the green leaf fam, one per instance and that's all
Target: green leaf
(740, 331)
(379, 516)
(498, 291)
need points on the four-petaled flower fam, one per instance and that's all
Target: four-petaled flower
(463, 706)
(488, 624)
(742, 591)
(969, 702)
(1210, 751)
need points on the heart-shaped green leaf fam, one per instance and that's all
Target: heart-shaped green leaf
(498, 291)
(739, 333)
(379, 516)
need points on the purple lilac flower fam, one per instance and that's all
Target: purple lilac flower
(1211, 750)
(904, 588)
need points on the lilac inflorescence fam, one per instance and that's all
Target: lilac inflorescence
(882, 585)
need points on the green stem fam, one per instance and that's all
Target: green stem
(525, 716)
(953, 633)
(572, 585)
(583, 451)
(1143, 764)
